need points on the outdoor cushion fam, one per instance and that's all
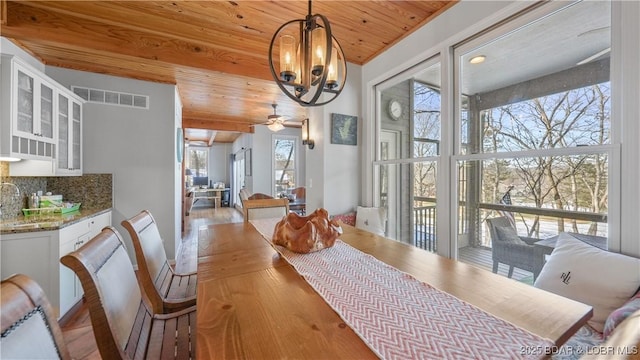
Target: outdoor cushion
(593, 276)
(509, 235)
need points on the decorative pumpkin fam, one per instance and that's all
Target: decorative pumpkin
(305, 234)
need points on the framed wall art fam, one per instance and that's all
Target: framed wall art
(344, 129)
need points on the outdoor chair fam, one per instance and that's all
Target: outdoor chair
(28, 324)
(124, 326)
(509, 248)
(167, 291)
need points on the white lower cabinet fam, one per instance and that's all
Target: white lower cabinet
(37, 254)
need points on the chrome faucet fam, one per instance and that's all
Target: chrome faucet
(16, 193)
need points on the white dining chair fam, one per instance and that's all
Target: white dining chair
(265, 208)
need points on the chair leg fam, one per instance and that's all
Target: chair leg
(495, 267)
(510, 272)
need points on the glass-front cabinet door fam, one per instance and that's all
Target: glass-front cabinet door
(69, 160)
(76, 136)
(63, 132)
(34, 108)
(46, 111)
(32, 115)
(24, 118)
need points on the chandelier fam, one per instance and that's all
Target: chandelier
(310, 60)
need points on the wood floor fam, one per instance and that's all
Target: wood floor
(77, 331)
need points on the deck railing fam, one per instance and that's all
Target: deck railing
(424, 219)
(424, 223)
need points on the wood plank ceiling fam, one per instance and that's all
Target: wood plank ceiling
(216, 52)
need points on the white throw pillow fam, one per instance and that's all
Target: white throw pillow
(371, 219)
(590, 275)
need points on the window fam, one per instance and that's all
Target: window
(535, 136)
(529, 138)
(284, 164)
(409, 147)
(197, 160)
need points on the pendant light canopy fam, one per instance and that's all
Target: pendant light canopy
(310, 61)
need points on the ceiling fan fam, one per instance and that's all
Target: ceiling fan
(274, 122)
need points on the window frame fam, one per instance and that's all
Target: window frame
(296, 155)
(612, 150)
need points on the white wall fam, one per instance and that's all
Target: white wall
(333, 171)
(219, 163)
(137, 146)
(7, 47)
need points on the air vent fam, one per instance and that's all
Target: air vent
(112, 97)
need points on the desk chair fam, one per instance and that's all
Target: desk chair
(166, 290)
(265, 208)
(125, 327)
(28, 325)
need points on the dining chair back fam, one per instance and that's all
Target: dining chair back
(124, 326)
(28, 325)
(166, 290)
(244, 194)
(265, 208)
(257, 196)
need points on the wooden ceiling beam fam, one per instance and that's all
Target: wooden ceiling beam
(218, 125)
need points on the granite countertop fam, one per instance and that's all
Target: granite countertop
(48, 222)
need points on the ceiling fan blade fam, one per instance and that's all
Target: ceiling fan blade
(292, 125)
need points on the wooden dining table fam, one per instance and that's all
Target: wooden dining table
(252, 304)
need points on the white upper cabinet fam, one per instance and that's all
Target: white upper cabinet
(69, 159)
(41, 122)
(29, 111)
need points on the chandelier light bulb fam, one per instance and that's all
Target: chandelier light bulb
(287, 63)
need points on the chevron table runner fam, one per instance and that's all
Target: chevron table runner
(400, 317)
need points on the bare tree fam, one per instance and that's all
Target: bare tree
(573, 118)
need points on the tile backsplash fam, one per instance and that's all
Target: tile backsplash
(92, 190)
